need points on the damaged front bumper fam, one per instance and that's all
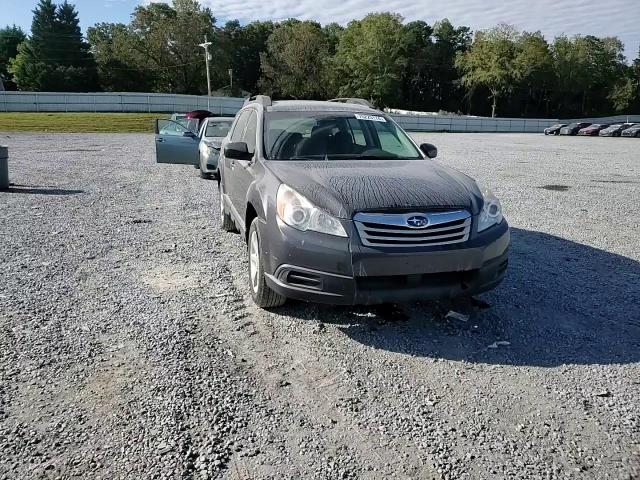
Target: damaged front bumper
(324, 269)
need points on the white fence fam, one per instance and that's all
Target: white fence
(451, 123)
(168, 103)
(115, 102)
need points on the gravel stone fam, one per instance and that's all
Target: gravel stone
(130, 348)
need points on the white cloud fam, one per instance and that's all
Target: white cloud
(552, 17)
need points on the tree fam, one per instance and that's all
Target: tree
(119, 69)
(241, 49)
(490, 62)
(159, 47)
(449, 42)
(533, 69)
(10, 38)
(55, 57)
(370, 59)
(165, 39)
(295, 63)
(333, 31)
(417, 78)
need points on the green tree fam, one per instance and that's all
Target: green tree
(165, 39)
(371, 58)
(55, 57)
(587, 68)
(295, 63)
(120, 69)
(533, 69)
(490, 62)
(418, 75)
(333, 31)
(449, 42)
(10, 38)
(241, 49)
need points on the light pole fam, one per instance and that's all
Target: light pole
(207, 57)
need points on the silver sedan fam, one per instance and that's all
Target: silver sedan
(212, 132)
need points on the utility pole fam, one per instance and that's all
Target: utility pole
(231, 80)
(207, 57)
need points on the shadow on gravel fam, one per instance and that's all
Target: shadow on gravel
(35, 190)
(561, 303)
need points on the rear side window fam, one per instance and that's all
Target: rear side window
(238, 130)
(250, 133)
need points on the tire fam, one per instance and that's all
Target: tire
(261, 293)
(226, 222)
(204, 175)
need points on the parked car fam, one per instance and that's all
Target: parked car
(180, 142)
(632, 131)
(339, 205)
(554, 129)
(573, 128)
(212, 132)
(593, 130)
(615, 130)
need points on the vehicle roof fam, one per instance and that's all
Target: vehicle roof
(220, 119)
(317, 106)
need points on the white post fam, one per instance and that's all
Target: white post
(4, 168)
(206, 46)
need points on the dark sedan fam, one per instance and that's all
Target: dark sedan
(573, 128)
(554, 129)
(632, 131)
(593, 130)
(615, 130)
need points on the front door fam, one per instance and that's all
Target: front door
(230, 165)
(243, 173)
(176, 143)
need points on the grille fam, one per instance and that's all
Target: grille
(413, 229)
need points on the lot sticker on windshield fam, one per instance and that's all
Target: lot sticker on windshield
(371, 118)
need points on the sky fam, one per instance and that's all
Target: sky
(552, 17)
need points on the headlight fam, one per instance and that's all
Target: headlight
(491, 213)
(211, 149)
(299, 213)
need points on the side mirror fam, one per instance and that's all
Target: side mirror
(237, 151)
(429, 150)
(189, 134)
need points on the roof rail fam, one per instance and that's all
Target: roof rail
(357, 101)
(264, 100)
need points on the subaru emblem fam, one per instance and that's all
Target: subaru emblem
(417, 221)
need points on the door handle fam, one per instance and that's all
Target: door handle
(160, 140)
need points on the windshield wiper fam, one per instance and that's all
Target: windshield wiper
(377, 157)
(305, 157)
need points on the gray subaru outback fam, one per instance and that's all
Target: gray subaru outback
(339, 205)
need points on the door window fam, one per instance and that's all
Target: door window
(238, 130)
(250, 133)
(169, 127)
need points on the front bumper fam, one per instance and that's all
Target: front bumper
(211, 162)
(321, 268)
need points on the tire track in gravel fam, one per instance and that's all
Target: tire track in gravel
(322, 401)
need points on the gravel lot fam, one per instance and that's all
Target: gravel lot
(129, 347)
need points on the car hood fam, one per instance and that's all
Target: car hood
(214, 141)
(343, 188)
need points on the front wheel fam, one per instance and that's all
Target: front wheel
(261, 293)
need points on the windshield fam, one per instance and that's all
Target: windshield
(335, 136)
(217, 129)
